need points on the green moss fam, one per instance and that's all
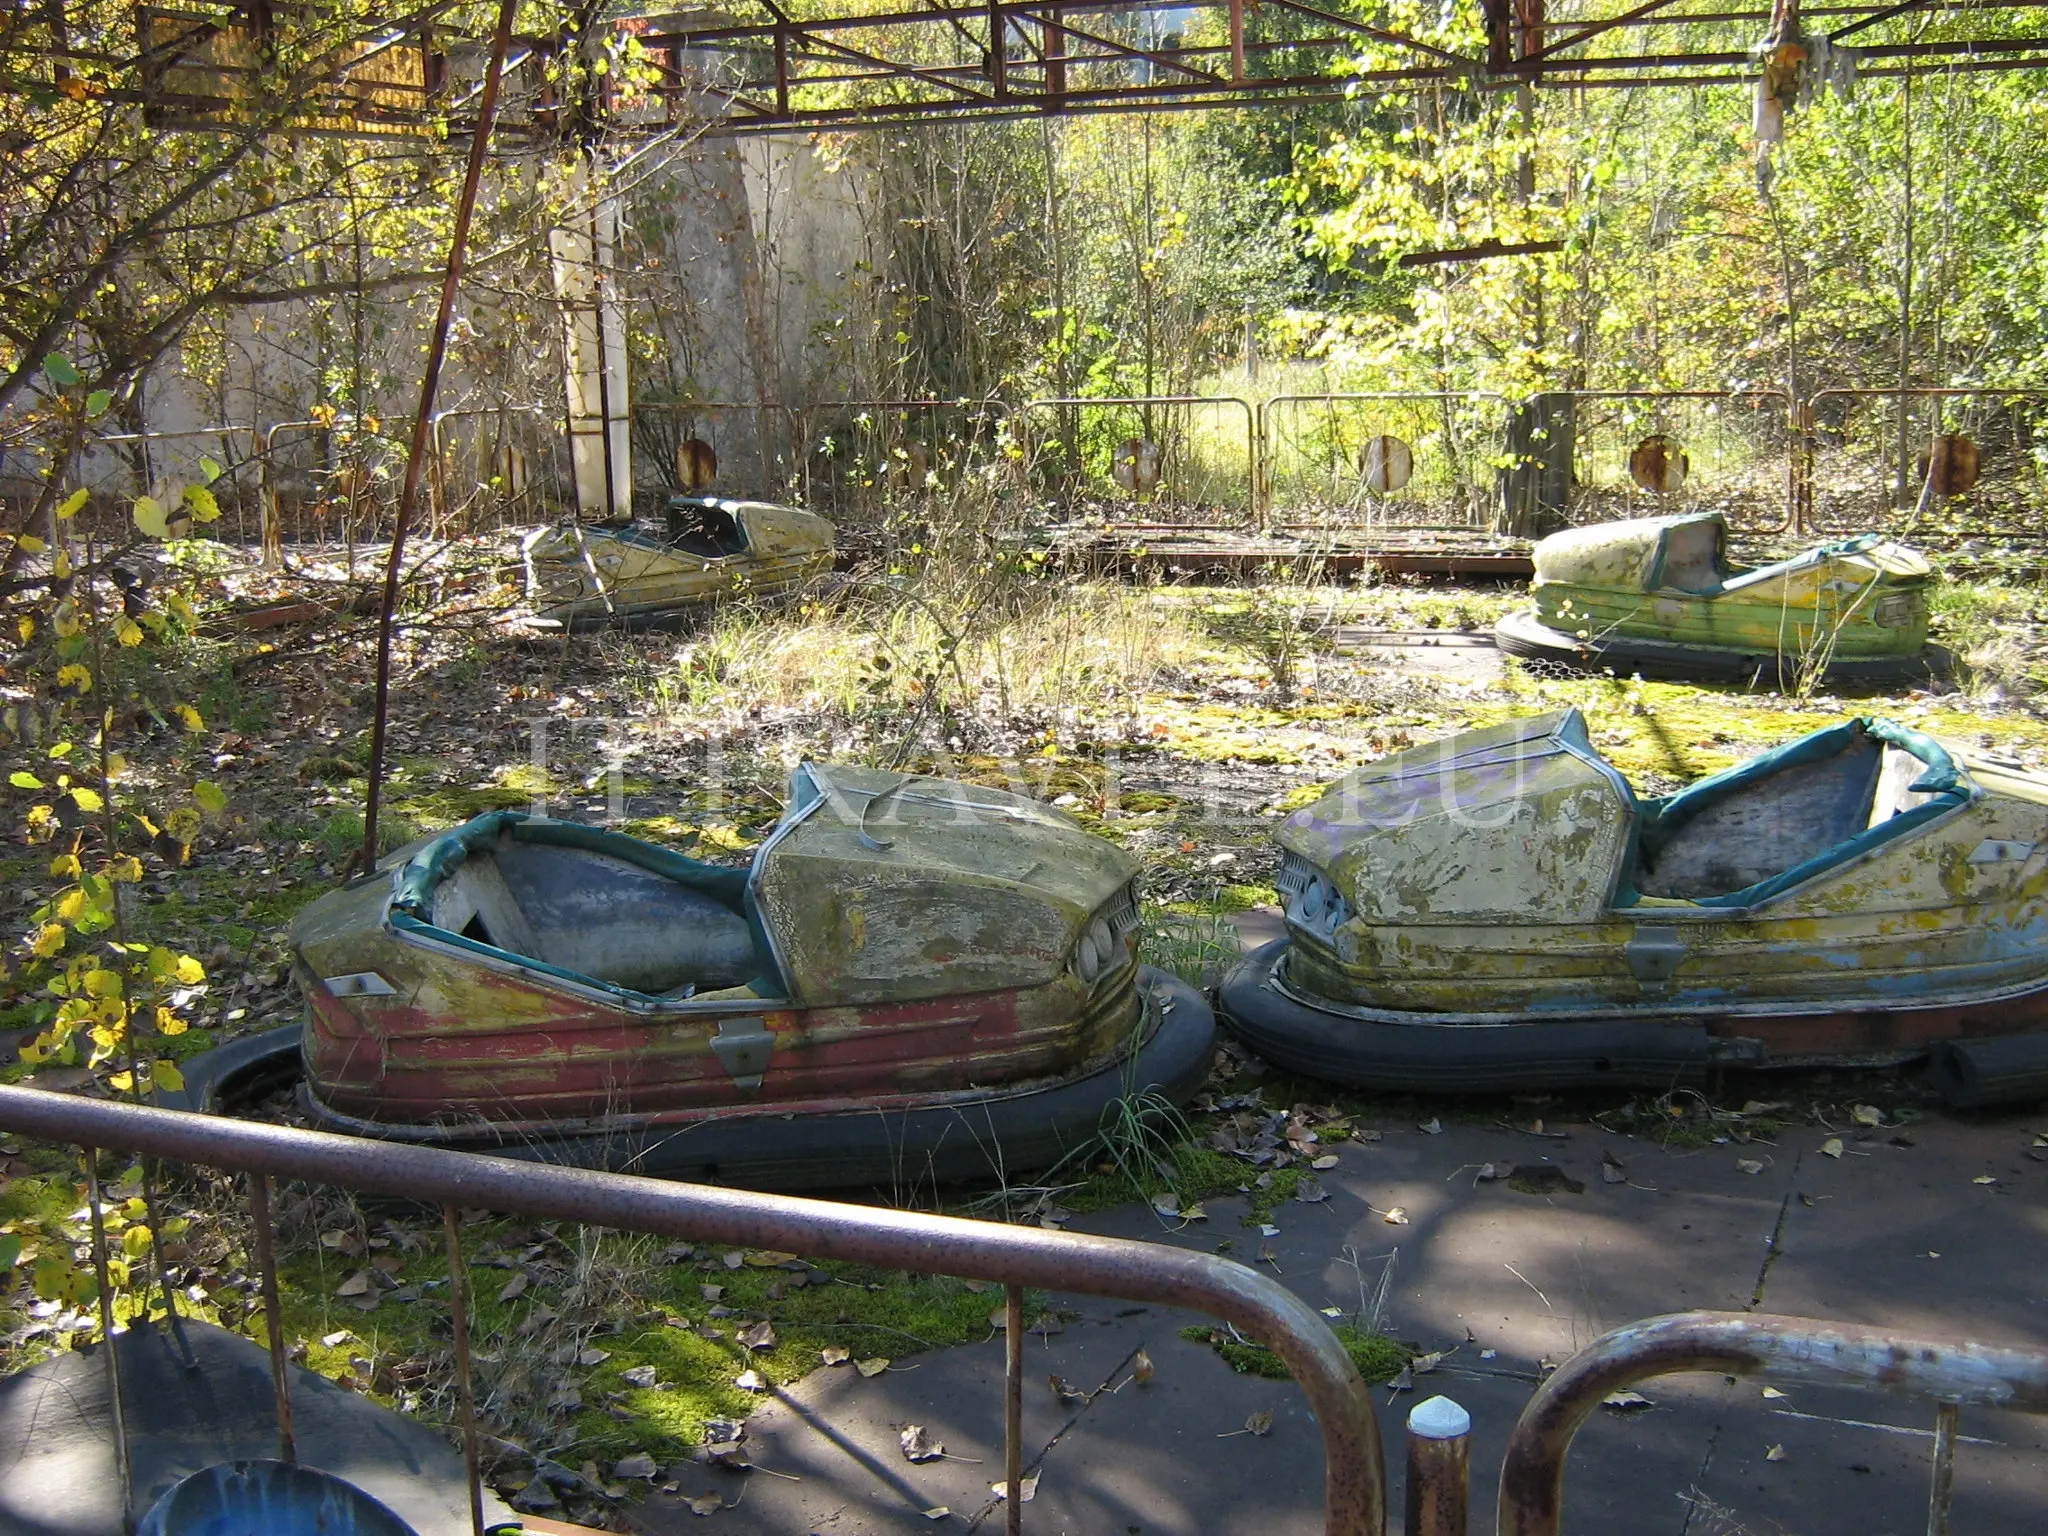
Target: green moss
(1377, 1357)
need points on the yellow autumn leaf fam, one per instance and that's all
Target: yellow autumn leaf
(64, 866)
(190, 971)
(88, 799)
(121, 1082)
(102, 983)
(168, 1023)
(71, 905)
(60, 564)
(167, 1076)
(25, 626)
(151, 518)
(49, 940)
(190, 717)
(30, 544)
(73, 504)
(127, 869)
(117, 765)
(135, 1241)
(73, 675)
(128, 632)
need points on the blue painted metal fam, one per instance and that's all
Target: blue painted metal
(268, 1498)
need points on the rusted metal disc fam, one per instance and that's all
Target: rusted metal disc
(910, 466)
(696, 463)
(1386, 464)
(1659, 465)
(1136, 465)
(1954, 463)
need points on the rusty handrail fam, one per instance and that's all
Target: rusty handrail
(1262, 1309)
(1950, 1372)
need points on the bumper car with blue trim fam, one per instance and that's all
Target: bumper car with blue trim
(1499, 911)
(1659, 596)
(916, 982)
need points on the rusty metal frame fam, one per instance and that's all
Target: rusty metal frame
(1760, 398)
(1333, 397)
(1252, 516)
(1950, 1373)
(1012, 1256)
(1804, 445)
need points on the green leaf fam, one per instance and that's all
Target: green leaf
(10, 1250)
(24, 780)
(210, 469)
(211, 797)
(87, 799)
(97, 402)
(201, 501)
(167, 1076)
(58, 367)
(150, 518)
(73, 504)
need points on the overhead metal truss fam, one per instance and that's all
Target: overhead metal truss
(757, 66)
(845, 64)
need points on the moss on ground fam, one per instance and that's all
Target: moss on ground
(1377, 1357)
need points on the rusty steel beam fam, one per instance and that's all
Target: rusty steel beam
(1260, 1308)
(1744, 1344)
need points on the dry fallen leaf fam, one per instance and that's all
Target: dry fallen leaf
(1167, 1204)
(1309, 1191)
(355, 1285)
(639, 1464)
(336, 1339)
(589, 1357)
(733, 1258)
(514, 1288)
(1141, 1368)
(760, 1335)
(918, 1445)
(1326, 1161)
(1984, 1178)
(1397, 1216)
(1431, 1128)
(976, 1286)
(639, 1376)
(1775, 1453)
(1027, 1489)
(936, 1512)
(835, 1354)
(750, 1381)
(1748, 1165)
(873, 1367)
(1065, 1390)
(1195, 1212)
(1832, 1147)
(711, 1292)
(706, 1504)
(1772, 1392)
(1612, 1169)
(1867, 1114)
(1261, 1422)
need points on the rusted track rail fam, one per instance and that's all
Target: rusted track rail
(1797, 1349)
(1016, 1257)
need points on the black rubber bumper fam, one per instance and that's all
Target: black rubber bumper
(996, 1136)
(2008, 1069)
(1450, 1058)
(1522, 634)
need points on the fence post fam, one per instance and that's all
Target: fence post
(1439, 1469)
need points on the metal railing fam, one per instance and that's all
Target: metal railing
(1193, 489)
(1013, 1256)
(1949, 1373)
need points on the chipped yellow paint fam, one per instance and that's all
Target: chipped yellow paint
(1848, 600)
(1481, 872)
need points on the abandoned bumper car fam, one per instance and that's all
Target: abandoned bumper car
(705, 552)
(1499, 911)
(915, 982)
(1659, 596)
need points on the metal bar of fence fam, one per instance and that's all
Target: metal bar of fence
(1750, 1344)
(1805, 445)
(1013, 1256)
(1263, 431)
(1251, 427)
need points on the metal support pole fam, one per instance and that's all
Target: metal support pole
(1947, 1418)
(273, 1317)
(465, 1389)
(104, 1275)
(1439, 1469)
(1013, 1407)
